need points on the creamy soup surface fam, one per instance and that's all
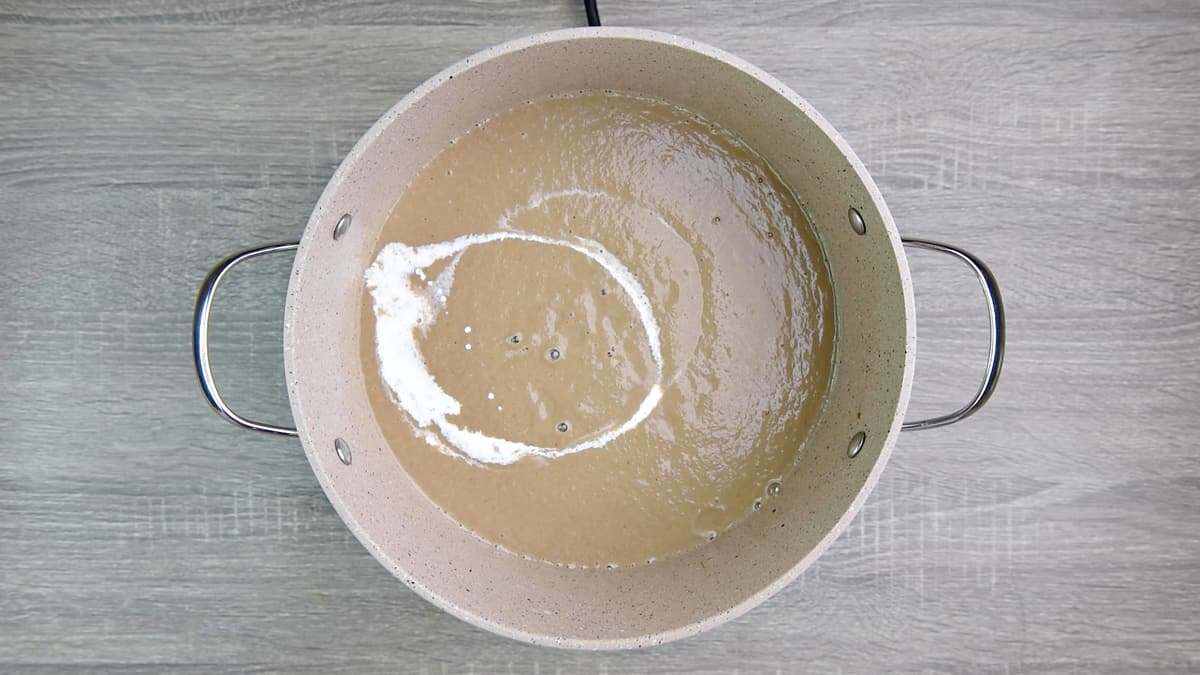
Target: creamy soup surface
(597, 330)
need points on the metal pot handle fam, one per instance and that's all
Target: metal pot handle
(987, 281)
(991, 293)
(200, 338)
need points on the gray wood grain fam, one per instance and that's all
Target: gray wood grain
(142, 140)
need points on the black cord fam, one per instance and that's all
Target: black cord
(593, 14)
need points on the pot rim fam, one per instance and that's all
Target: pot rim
(567, 35)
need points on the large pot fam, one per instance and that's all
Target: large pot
(628, 606)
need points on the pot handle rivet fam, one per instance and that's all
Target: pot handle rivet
(856, 444)
(200, 338)
(856, 221)
(342, 448)
(342, 225)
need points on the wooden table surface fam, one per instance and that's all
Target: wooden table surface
(142, 140)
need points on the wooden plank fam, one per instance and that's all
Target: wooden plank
(141, 141)
(181, 105)
(560, 13)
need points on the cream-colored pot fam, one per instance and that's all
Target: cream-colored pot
(628, 606)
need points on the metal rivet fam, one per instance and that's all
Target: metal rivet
(856, 444)
(343, 224)
(342, 448)
(774, 488)
(856, 221)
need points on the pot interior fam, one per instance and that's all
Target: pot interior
(627, 606)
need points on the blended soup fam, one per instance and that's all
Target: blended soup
(597, 330)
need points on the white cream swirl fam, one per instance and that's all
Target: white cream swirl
(406, 301)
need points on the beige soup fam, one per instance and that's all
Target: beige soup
(541, 345)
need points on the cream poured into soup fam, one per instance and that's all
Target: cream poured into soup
(597, 330)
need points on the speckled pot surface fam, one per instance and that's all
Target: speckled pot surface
(629, 606)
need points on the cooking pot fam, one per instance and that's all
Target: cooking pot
(629, 606)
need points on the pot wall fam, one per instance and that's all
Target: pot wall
(631, 606)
